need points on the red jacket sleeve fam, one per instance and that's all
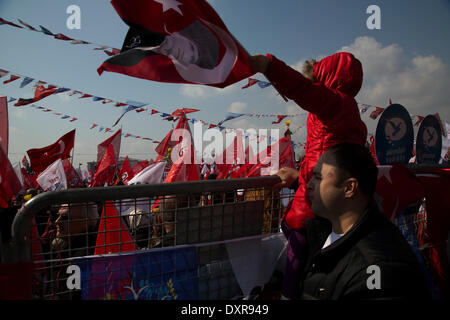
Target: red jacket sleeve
(313, 97)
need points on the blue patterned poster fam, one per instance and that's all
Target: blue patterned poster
(429, 141)
(162, 274)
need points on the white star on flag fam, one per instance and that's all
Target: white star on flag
(170, 4)
(384, 171)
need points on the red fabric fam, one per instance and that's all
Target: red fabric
(397, 188)
(374, 114)
(232, 64)
(184, 167)
(9, 182)
(41, 158)
(125, 172)
(4, 124)
(106, 169)
(114, 140)
(333, 113)
(230, 157)
(73, 179)
(250, 83)
(163, 147)
(280, 118)
(138, 167)
(113, 235)
(12, 78)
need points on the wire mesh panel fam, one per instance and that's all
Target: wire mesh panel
(145, 242)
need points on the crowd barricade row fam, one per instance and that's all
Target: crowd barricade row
(214, 239)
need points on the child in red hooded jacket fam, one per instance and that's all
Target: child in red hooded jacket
(327, 91)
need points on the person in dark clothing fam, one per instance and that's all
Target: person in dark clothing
(353, 250)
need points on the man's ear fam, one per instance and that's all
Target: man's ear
(350, 187)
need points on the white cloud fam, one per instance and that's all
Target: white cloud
(237, 107)
(204, 92)
(419, 83)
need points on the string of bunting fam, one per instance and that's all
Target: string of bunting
(42, 92)
(101, 128)
(110, 51)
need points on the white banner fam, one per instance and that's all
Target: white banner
(53, 178)
(152, 174)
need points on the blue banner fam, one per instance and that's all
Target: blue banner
(169, 274)
(429, 141)
(394, 138)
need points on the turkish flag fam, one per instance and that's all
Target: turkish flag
(43, 157)
(126, 173)
(9, 182)
(138, 167)
(73, 179)
(184, 167)
(397, 188)
(106, 169)
(182, 41)
(114, 140)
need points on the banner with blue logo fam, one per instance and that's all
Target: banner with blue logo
(394, 137)
(429, 141)
(161, 274)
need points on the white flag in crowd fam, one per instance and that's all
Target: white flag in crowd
(151, 174)
(53, 178)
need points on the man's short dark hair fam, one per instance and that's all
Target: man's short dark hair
(357, 162)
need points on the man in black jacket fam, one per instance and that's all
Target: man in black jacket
(354, 251)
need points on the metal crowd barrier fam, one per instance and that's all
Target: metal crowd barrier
(164, 241)
(179, 231)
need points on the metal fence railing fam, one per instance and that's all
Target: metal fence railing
(191, 221)
(164, 241)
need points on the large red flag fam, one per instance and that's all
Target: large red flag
(113, 235)
(183, 156)
(41, 158)
(182, 41)
(114, 140)
(138, 167)
(106, 169)
(163, 147)
(9, 182)
(4, 126)
(232, 156)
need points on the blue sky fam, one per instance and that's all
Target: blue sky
(407, 60)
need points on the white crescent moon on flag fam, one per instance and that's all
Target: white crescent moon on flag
(62, 146)
(219, 74)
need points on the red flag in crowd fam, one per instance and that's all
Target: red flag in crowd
(181, 41)
(4, 125)
(9, 182)
(43, 157)
(374, 114)
(106, 169)
(184, 168)
(126, 173)
(397, 188)
(231, 157)
(72, 176)
(284, 157)
(114, 140)
(113, 235)
(138, 167)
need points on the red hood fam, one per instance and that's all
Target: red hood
(341, 71)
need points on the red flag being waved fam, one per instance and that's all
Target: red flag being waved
(183, 41)
(73, 179)
(232, 157)
(43, 157)
(106, 170)
(9, 182)
(125, 173)
(4, 124)
(183, 155)
(114, 140)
